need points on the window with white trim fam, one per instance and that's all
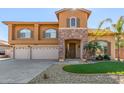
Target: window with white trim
(73, 22)
(50, 33)
(25, 33)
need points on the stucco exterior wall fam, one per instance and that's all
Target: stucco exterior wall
(37, 34)
(83, 16)
(17, 28)
(44, 27)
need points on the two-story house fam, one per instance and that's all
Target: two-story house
(64, 39)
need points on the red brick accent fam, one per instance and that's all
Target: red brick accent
(64, 34)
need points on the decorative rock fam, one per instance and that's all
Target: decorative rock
(58, 75)
(64, 34)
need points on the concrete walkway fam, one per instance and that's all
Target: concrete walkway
(1, 59)
(22, 71)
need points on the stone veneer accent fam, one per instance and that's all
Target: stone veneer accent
(68, 34)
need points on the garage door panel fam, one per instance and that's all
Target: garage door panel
(48, 52)
(22, 53)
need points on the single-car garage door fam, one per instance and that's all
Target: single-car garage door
(45, 52)
(22, 53)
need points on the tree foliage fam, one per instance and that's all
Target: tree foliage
(91, 48)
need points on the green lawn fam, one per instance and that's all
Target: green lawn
(101, 67)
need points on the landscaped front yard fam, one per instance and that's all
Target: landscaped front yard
(101, 67)
(97, 73)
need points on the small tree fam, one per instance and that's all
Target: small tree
(91, 49)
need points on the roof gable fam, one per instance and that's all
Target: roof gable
(67, 9)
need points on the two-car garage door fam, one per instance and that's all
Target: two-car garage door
(36, 52)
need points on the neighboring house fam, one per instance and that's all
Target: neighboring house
(61, 40)
(4, 46)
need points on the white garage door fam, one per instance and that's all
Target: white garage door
(22, 53)
(45, 52)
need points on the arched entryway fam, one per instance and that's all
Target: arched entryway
(72, 49)
(70, 35)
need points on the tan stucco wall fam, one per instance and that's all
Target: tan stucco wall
(83, 16)
(110, 39)
(37, 34)
(44, 27)
(17, 28)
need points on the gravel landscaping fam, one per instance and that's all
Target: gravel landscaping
(56, 75)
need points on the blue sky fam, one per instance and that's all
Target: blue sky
(48, 14)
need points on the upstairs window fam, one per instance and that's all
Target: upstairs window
(25, 33)
(50, 33)
(73, 22)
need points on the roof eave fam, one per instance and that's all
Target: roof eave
(17, 22)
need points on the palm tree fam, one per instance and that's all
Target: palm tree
(95, 47)
(118, 29)
(122, 43)
(99, 32)
(91, 48)
(87, 49)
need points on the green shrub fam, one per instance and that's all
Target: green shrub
(106, 57)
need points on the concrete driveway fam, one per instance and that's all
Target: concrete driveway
(21, 71)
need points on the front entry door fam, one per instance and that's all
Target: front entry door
(72, 50)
